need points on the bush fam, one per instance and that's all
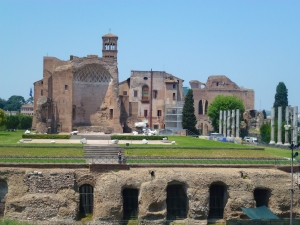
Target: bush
(135, 137)
(46, 136)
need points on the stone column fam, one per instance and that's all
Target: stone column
(220, 122)
(279, 142)
(228, 123)
(295, 125)
(224, 123)
(237, 124)
(272, 142)
(233, 123)
(286, 126)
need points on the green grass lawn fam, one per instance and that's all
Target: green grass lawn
(193, 148)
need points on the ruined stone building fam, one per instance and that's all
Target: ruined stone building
(204, 94)
(153, 97)
(79, 94)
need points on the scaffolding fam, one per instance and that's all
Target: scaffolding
(173, 116)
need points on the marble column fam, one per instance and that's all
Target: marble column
(287, 126)
(279, 141)
(237, 124)
(228, 123)
(233, 123)
(272, 142)
(220, 122)
(224, 123)
(295, 125)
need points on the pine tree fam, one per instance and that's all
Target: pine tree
(189, 120)
(281, 99)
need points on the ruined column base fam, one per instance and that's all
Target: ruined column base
(286, 144)
(279, 143)
(272, 143)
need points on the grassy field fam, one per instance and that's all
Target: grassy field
(193, 148)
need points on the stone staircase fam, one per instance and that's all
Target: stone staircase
(103, 153)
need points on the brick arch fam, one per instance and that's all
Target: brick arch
(86, 179)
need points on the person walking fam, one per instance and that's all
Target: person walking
(120, 156)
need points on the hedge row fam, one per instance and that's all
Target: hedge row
(136, 137)
(46, 136)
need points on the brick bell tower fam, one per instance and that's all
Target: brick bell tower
(110, 46)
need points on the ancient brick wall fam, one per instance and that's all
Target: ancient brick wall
(53, 194)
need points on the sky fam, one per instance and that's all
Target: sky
(255, 43)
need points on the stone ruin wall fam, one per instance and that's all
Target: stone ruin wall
(52, 194)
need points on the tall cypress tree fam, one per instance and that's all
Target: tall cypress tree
(189, 120)
(281, 99)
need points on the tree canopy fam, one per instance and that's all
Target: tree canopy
(189, 120)
(14, 103)
(2, 118)
(2, 103)
(281, 99)
(222, 102)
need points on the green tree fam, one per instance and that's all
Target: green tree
(2, 103)
(2, 118)
(265, 132)
(24, 121)
(222, 102)
(14, 103)
(189, 120)
(12, 122)
(265, 114)
(29, 100)
(281, 99)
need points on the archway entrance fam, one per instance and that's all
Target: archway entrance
(86, 204)
(261, 197)
(130, 203)
(3, 192)
(216, 201)
(177, 202)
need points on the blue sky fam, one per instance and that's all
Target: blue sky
(254, 43)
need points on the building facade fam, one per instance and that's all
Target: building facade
(145, 95)
(204, 94)
(27, 110)
(79, 94)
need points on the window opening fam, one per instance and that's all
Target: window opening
(216, 201)
(3, 192)
(206, 106)
(145, 93)
(86, 204)
(42, 92)
(155, 94)
(124, 92)
(74, 112)
(156, 126)
(66, 87)
(200, 108)
(130, 203)
(177, 202)
(111, 113)
(174, 86)
(158, 112)
(135, 93)
(261, 197)
(174, 96)
(145, 113)
(145, 78)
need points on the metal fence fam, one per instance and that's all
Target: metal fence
(262, 222)
(145, 160)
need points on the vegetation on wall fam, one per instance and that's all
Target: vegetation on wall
(189, 120)
(222, 102)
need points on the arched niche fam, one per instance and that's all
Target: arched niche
(130, 203)
(177, 201)
(261, 196)
(86, 203)
(3, 192)
(217, 200)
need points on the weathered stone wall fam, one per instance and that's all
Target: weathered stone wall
(52, 194)
(217, 85)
